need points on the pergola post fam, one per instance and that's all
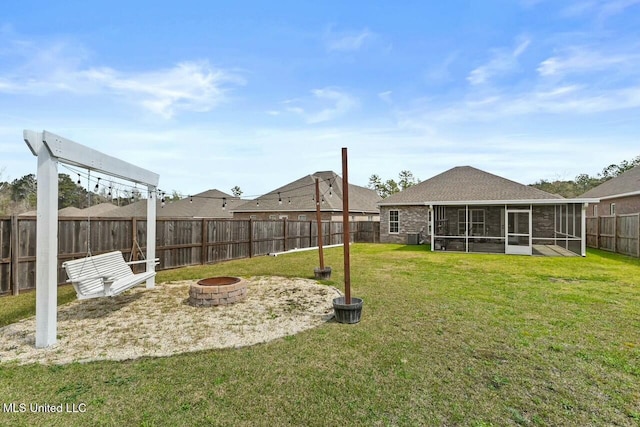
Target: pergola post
(46, 248)
(151, 235)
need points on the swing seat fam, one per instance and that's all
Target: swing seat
(104, 275)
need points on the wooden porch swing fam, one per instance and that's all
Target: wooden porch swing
(107, 274)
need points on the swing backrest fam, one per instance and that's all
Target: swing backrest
(88, 274)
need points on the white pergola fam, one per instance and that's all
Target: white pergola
(51, 149)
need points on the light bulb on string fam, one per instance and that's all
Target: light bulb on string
(279, 199)
(258, 202)
(97, 187)
(224, 203)
(79, 183)
(190, 199)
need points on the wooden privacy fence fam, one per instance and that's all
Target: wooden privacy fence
(615, 233)
(179, 241)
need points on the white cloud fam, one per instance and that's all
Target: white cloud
(600, 9)
(386, 96)
(340, 103)
(501, 63)
(58, 67)
(586, 60)
(347, 41)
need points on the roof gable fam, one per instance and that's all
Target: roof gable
(299, 195)
(466, 184)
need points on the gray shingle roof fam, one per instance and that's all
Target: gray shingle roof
(207, 204)
(627, 182)
(298, 196)
(467, 184)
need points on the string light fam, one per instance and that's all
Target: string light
(224, 203)
(115, 187)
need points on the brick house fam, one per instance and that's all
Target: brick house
(618, 196)
(468, 210)
(296, 201)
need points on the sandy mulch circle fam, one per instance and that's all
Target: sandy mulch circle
(160, 322)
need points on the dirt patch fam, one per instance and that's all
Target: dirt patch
(160, 322)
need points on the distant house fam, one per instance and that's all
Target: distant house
(468, 210)
(208, 204)
(619, 195)
(296, 201)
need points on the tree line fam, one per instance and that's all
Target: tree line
(565, 188)
(20, 196)
(585, 182)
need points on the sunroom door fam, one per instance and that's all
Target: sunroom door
(518, 232)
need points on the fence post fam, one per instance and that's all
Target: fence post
(250, 237)
(638, 235)
(597, 232)
(205, 239)
(615, 233)
(14, 249)
(284, 224)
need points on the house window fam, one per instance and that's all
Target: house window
(613, 208)
(476, 222)
(273, 216)
(283, 217)
(302, 217)
(253, 216)
(394, 222)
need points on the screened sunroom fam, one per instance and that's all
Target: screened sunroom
(525, 229)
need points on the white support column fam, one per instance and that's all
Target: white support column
(151, 234)
(432, 219)
(46, 246)
(583, 230)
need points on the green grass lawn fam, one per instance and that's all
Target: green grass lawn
(445, 339)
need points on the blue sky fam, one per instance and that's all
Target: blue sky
(257, 94)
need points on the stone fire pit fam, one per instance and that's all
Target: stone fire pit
(212, 291)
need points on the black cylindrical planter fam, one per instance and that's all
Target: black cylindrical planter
(347, 313)
(322, 273)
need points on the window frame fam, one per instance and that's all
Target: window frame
(394, 224)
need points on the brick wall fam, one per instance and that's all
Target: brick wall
(624, 205)
(412, 219)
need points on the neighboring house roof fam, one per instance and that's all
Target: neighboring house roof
(97, 210)
(69, 211)
(299, 196)
(207, 204)
(625, 184)
(467, 184)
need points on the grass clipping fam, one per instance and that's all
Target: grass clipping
(160, 322)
